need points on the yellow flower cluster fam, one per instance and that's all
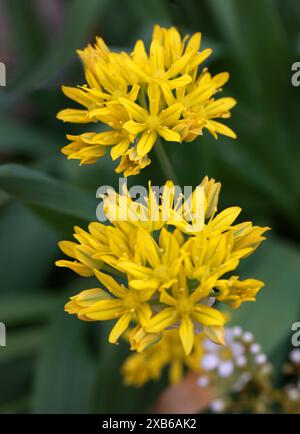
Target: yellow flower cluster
(140, 97)
(139, 368)
(168, 272)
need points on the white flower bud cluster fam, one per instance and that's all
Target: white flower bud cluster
(231, 367)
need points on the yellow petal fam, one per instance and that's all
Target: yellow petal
(88, 297)
(221, 78)
(179, 66)
(85, 254)
(151, 250)
(171, 114)
(143, 313)
(141, 285)
(208, 316)
(156, 57)
(136, 270)
(180, 81)
(68, 247)
(166, 298)
(186, 333)
(79, 268)
(138, 113)
(134, 127)
(154, 98)
(110, 283)
(221, 129)
(215, 334)
(78, 95)
(146, 142)
(162, 320)
(194, 43)
(169, 135)
(119, 149)
(223, 220)
(219, 106)
(119, 328)
(74, 115)
(170, 247)
(105, 310)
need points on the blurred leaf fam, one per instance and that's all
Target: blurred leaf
(257, 39)
(22, 343)
(125, 399)
(65, 372)
(15, 407)
(19, 137)
(155, 11)
(277, 263)
(27, 30)
(35, 188)
(15, 380)
(26, 308)
(28, 250)
(79, 22)
(254, 172)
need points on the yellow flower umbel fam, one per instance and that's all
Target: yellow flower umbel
(139, 98)
(168, 274)
(139, 368)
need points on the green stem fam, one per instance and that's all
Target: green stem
(165, 162)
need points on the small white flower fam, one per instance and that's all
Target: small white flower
(255, 348)
(295, 356)
(217, 406)
(241, 361)
(226, 368)
(237, 349)
(237, 331)
(248, 337)
(261, 359)
(209, 362)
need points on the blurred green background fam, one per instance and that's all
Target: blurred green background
(53, 362)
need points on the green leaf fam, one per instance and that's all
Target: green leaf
(125, 399)
(17, 136)
(80, 19)
(29, 247)
(22, 343)
(26, 308)
(18, 406)
(34, 188)
(65, 370)
(257, 39)
(28, 33)
(277, 263)
(153, 10)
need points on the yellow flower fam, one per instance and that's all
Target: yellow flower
(142, 367)
(140, 97)
(188, 310)
(152, 123)
(234, 291)
(169, 272)
(162, 261)
(140, 340)
(79, 303)
(101, 244)
(125, 305)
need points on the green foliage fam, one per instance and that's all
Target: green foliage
(54, 363)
